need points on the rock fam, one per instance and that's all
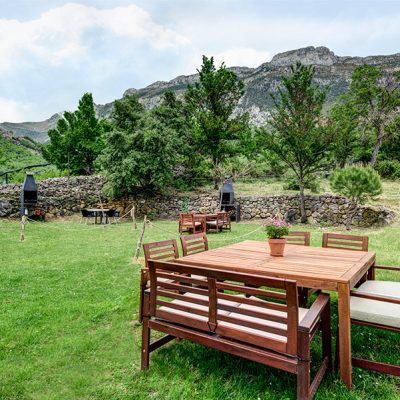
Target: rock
(5, 209)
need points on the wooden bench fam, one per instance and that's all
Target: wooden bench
(267, 326)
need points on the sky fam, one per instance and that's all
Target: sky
(53, 51)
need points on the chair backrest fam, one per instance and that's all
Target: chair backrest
(187, 220)
(224, 217)
(300, 238)
(165, 250)
(111, 213)
(219, 304)
(349, 242)
(194, 243)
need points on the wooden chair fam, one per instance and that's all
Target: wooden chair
(221, 220)
(188, 223)
(350, 242)
(194, 243)
(273, 330)
(300, 238)
(226, 221)
(376, 304)
(165, 250)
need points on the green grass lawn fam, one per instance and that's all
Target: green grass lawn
(68, 325)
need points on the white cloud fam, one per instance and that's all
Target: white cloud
(10, 110)
(242, 57)
(59, 34)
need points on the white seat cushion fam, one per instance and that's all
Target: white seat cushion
(378, 312)
(383, 288)
(200, 277)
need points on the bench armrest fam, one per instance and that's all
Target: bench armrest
(374, 296)
(311, 318)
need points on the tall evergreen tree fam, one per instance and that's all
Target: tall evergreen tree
(374, 97)
(296, 131)
(211, 102)
(77, 139)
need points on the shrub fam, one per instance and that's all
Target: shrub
(389, 169)
(293, 184)
(358, 184)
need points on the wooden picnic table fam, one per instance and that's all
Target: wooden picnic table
(313, 267)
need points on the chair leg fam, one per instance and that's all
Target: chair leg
(303, 369)
(303, 381)
(337, 360)
(327, 334)
(145, 343)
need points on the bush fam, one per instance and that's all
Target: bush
(293, 184)
(389, 169)
(358, 184)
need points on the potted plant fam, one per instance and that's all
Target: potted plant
(276, 232)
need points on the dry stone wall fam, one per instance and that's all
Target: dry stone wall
(63, 197)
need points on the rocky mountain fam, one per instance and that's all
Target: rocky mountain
(18, 152)
(331, 70)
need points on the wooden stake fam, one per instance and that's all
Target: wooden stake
(23, 223)
(133, 217)
(139, 244)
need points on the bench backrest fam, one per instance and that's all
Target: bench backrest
(253, 309)
(349, 242)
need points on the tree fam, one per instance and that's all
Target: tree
(77, 139)
(296, 131)
(374, 96)
(211, 103)
(141, 151)
(358, 184)
(345, 130)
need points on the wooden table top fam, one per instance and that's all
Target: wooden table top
(97, 209)
(315, 267)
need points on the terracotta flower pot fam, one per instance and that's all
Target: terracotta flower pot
(277, 246)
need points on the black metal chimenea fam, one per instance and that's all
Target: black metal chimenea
(227, 200)
(29, 193)
(226, 193)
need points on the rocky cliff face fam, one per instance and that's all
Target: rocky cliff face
(331, 70)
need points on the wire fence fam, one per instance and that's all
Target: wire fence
(214, 240)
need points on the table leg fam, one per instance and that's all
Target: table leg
(344, 333)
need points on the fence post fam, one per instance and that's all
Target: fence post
(139, 244)
(133, 217)
(23, 223)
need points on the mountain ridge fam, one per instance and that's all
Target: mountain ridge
(331, 70)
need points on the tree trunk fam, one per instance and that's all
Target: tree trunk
(303, 214)
(350, 215)
(216, 182)
(377, 147)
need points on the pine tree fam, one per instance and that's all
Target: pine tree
(296, 132)
(358, 184)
